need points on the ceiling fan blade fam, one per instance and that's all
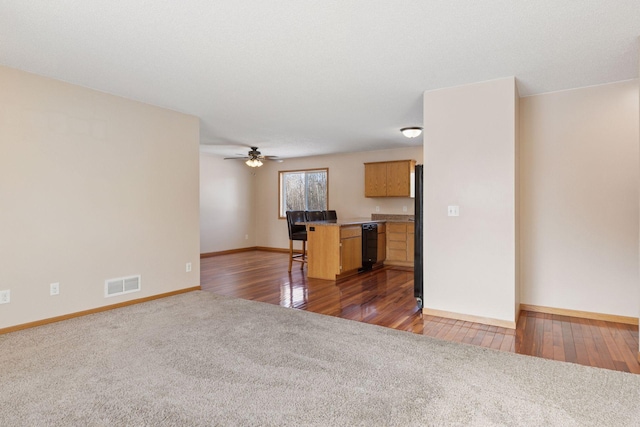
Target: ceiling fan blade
(236, 158)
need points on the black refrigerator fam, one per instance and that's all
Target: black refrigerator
(418, 280)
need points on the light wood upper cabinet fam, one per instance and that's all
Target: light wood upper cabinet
(375, 179)
(389, 179)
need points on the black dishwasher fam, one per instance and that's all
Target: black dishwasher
(369, 245)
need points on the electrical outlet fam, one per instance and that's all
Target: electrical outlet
(246, 237)
(377, 208)
(54, 289)
(5, 296)
(404, 209)
(453, 211)
(188, 267)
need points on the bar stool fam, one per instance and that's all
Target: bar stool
(330, 215)
(297, 232)
(314, 215)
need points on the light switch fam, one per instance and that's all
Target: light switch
(453, 211)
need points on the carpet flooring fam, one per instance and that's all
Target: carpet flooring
(199, 359)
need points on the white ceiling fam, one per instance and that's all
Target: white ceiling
(308, 77)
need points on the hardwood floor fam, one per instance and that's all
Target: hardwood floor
(385, 298)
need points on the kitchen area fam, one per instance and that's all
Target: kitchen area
(332, 280)
(337, 249)
(340, 248)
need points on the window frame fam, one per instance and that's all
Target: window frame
(280, 183)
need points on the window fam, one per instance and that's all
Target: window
(304, 190)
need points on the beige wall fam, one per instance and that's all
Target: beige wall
(346, 190)
(92, 187)
(470, 161)
(226, 204)
(579, 207)
(518, 264)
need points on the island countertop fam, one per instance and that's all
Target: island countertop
(344, 222)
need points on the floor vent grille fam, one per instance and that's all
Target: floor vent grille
(122, 285)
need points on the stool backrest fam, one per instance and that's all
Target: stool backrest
(314, 215)
(330, 215)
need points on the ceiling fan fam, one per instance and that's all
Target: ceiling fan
(254, 158)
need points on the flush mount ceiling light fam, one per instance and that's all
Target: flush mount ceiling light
(411, 132)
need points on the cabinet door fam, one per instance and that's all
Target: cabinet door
(375, 179)
(351, 253)
(399, 179)
(382, 247)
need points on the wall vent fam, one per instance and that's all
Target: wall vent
(122, 285)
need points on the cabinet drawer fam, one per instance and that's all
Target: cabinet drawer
(397, 255)
(397, 244)
(400, 237)
(397, 227)
(346, 232)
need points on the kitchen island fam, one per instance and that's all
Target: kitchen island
(334, 248)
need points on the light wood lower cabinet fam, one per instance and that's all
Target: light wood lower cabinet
(400, 243)
(382, 242)
(333, 250)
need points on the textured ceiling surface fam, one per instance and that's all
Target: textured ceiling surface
(309, 77)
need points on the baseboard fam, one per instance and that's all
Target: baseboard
(249, 249)
(280, 250)
(227, 252)
(580, 314)
(398, 267)
(94, 310)
(469, 318)
(399, 263)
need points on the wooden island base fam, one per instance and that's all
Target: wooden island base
(334, 249)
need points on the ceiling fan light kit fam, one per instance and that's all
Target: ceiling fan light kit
(254, 163)
(411, 132)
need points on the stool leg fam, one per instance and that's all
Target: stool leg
(290, 254)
